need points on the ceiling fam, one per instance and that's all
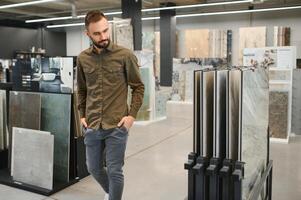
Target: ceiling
(64, 7)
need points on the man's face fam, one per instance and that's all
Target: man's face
(98, 32)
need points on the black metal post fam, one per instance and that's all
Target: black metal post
(167, 43)
(227, 183)
(191, 178)
(201, 180)
(238, 175)
(215, 186)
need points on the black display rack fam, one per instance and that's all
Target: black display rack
(77, 162)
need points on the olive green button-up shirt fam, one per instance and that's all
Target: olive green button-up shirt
(102, 82)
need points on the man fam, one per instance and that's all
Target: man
(104, 72)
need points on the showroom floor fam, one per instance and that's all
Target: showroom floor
(154, 167)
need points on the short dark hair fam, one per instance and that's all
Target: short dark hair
(93, 16)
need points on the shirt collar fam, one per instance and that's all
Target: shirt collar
(109, 48)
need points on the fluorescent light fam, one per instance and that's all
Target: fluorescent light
(144, 10)
(196, 5)
(238, 12)
(149, 18)
(68, 17)
(65, 25)
(81, 24)
(25, 4)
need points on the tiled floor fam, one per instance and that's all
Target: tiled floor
(154, 167)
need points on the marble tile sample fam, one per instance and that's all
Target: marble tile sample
(38, 147)
(207, 120)
(56, 118)
(251, 37)
(123, 33)
(220, 114)
(162, 96)
(197, 43)
(296, 102)
(279, 114)
(254, 125)
(144, 111)
(147, 110)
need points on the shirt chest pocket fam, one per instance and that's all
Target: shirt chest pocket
(114, 74)
(91, 75)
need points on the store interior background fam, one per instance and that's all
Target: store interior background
(177, 133)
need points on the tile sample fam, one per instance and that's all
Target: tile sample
(254, 125)
(251, 37)
(38, 146)
(197, 43)
(56, 118)
(208, 107)
(123, 33)
(3, 115)
(233, 115)
(220, 114)
(296, 102)
(25, 110)
(279, 114)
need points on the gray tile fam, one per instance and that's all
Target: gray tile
(56, 118)
(38, 146)
(254, 125)
(17, 194)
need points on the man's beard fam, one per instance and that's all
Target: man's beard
(99, 44)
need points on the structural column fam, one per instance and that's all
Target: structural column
(167, 44)
(132, 9)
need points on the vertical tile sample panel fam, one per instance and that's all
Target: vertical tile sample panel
(198, 113)
(296, 102)
(220, 114)
(208, 89)
(254, 125)
(56, 118)
(123, 33)
(233, 117)
(251, 37)
(197, 43)
(279, 114)
(144, 111)
(32, 157)
(2, 119)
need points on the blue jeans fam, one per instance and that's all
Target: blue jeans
(107, 146)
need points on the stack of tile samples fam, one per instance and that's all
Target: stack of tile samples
(230, 132)
(32, 114)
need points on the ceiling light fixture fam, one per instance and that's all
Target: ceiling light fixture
(144, 10)
(238, 12)
(199, 14)
(197, 5)
(69, 17)
(25, 4)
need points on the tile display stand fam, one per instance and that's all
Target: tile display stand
(6, 178)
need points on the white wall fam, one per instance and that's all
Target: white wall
(77, 41)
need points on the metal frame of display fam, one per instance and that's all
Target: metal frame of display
(221, 179)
